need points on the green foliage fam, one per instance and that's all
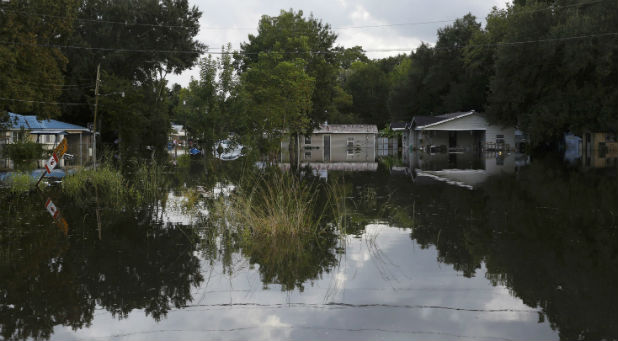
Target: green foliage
(145, 186)
(104, 183)
(369, 87)
(276, 96)
(140, 118)
(148, 184)
(437, 79)
(205, 106)
(136, 117)
(278, 204)
(292, 32)
(20, 183)
(28, 67)
(556, 85)
(24, 150)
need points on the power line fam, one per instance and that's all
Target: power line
(40, 102)
(99, 21)
(120, 50)
(53, 86)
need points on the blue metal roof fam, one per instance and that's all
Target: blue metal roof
(30, 122)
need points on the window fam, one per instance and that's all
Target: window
(350, 143)
(307, 155)
(47, 138)
(499, 139)
(308, 139)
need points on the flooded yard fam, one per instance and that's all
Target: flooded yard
(496, 247)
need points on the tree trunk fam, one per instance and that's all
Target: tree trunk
(293, 151)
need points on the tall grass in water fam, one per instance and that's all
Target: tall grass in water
(20, 183)
(147, 182)
(108, 182)
(144, 186)
(278, 203)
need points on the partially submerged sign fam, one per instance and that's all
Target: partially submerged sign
(59, 151)
(51, 163)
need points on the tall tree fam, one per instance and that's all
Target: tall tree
(138, 40)
(276, 97)
(564, 77)
(369, 87)
(205, 106)
(32, 69)
(289, 37)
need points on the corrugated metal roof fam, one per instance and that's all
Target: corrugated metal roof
(51, 132)
(30, 122)
(346, 129)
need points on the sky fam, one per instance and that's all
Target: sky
(399, 26)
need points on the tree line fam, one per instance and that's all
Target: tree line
(544, 66)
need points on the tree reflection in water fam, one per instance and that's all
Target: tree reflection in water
(548, 233)
(49, 279)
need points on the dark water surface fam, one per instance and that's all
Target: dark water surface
(435, 249)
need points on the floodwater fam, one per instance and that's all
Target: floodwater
(436, 247)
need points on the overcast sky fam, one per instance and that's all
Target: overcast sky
(232, 20)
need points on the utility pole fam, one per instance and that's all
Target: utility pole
(96, 105)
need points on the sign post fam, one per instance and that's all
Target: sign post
(59, 151)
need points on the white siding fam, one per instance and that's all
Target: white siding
(476, 122)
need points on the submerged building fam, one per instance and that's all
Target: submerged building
(460, 132)
(337, 147)
(48, 133)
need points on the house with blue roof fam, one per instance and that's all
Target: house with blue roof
(48, 133)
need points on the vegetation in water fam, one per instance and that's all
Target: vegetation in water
(277, 203)
(20, 183)
(106, 184)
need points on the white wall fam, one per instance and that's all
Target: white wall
(475, 122)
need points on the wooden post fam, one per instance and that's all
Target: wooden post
(94, 128)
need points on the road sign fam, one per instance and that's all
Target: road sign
(51, 163)
(61, 148)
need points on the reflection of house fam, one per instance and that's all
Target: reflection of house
(600, 150)
(336, 143)
(461, 131)
(48, 133)
(464, 169)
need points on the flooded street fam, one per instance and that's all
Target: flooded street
(501, 247)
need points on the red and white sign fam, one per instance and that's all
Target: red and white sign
(51, 163)
(51, 208)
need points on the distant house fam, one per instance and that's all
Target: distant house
(336, 143)
(460, 131)
(48, 133)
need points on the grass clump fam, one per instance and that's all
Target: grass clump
(278, 203)
(108, 184)
(20, 183)
(147, 182)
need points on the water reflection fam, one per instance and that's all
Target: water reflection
(441, 248)
(49, 279)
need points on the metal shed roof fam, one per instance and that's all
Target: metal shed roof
(30, 122)
(346, 129)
